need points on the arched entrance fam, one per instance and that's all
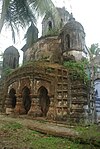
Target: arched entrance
(26, 98)
(44, 100)
(12, 97)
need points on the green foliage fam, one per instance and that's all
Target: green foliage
(6, 71)
(27, 63)
(89, 133)
(20, 13)
(49, 70)
(53, 32)
(94, 49)
(19, 136)
(77, 70)
(12, 126)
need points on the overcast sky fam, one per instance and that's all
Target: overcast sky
(85, 11)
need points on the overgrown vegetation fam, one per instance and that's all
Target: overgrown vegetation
(53, 32)
(6, 71)
(90, 134)
(14, 135)
(77, 70)
(12, 126)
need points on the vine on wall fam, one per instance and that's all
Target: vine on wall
(77, 70)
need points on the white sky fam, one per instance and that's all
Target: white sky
(85, 11)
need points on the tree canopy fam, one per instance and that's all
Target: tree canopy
(16, 13)
(94, 50)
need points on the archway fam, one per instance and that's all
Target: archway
(26, 98)
(12, 97)
(44, 100)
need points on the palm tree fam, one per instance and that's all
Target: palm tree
(16, 13)
(94, 50)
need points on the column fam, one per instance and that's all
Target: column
(35, 108)
(19, 109)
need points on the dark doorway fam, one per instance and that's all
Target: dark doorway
(26, 99)
(50, 25)
(12, 97)
(44, 100)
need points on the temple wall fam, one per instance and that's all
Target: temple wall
(44, 49)
(67, 100)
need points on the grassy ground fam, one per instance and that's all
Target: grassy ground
(14, 135)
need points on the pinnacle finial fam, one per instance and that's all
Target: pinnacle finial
(71, 17)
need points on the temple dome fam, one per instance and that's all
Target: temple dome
(72, 24)
(11, 50)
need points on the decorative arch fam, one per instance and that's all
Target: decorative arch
(42, 90)
(44, 100)
(26, 98)
(12, 97)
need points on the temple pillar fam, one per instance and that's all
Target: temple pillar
(9, 109)
(35, 109)
(19, 108)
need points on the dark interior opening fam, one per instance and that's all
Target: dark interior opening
(50, 25)
(96, 93)
(44, 100)
(26, 99)
(68, 41)
(12, 97)
(61, 23)
(14, 63)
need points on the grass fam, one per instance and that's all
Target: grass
(14, 134)
(12, 126)
(90, 134)
(92, 131)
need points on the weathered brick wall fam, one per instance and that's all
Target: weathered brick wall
(67, 97)
(47, 48)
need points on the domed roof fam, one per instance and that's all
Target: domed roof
(11, 50)
(72, 24)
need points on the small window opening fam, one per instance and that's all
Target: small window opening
(68, 41)
(61, 23)
(14, 63)
(50, 25)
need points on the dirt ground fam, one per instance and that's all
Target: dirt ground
(12, 130)
(22, 133)
(41, 125)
